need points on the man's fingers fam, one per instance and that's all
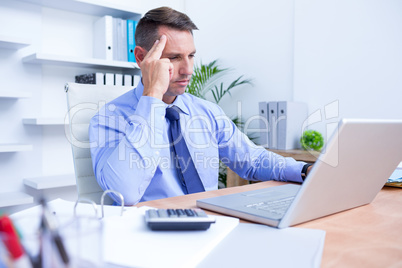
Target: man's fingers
(156, 51)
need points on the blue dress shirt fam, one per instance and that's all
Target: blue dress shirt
(131, 153)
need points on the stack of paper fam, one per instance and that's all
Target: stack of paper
(255, 245)
(129, 242)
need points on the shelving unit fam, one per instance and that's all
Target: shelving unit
(49, 182)
(14, 147)
(14, 95)
(39, 31)
(14, 199)
(41, 58)
(44, 121)
(90, 7)
(13, 42)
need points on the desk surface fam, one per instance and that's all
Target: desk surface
(367, 236)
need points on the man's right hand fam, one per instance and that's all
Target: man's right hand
(156, 71)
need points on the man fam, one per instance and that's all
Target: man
(139, 142)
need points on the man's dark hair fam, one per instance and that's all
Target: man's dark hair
(148, 26)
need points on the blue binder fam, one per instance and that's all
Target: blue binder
(131, 26)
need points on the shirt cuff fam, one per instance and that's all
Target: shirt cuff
(293, 170)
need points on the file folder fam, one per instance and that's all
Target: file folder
(272, 120)
(128, 80)
(264, 123)
(120, 39)
(291, 116)
(118, 79)
(103, 38)
(136, 80)
(131, 26)
(109, 79)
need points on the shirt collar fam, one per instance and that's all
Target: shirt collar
(182, 106)
(177, 102)
(139, 90)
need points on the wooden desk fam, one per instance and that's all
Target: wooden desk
(367, 236)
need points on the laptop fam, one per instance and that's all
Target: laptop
(355, 164)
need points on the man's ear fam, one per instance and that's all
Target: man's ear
(139, 54)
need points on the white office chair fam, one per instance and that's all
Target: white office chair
(83, 102)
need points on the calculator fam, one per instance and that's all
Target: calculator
(178, 219)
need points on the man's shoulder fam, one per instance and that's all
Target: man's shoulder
(121, 105)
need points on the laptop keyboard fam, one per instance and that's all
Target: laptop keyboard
(276, 207)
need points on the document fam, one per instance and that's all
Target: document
(255, 245)
(129, 242)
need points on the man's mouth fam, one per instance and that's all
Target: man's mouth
(183, 82)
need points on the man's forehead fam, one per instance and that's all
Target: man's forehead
(178, 42)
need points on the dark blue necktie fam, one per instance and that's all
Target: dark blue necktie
(184, 163)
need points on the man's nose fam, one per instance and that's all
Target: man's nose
(186, 67)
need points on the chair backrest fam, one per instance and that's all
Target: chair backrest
(83, 102)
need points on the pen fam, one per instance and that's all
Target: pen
(12, 243)
(50, 224)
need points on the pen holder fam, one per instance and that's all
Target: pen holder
(81, 236)
(83, 239)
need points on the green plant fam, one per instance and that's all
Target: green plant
(207, 79)
(312, 140)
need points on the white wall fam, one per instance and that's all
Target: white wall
(350, 52)
(255, 38)
(343, 55)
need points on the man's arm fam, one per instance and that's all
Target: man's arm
(253, 162)
(121, 145)
(156, 71)
(124, 144)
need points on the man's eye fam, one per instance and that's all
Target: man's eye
(173, 58)
(191, 56)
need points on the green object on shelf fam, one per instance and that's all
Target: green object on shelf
(312, 140)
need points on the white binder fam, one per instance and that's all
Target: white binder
(264, 124)
(128, 80)
(118, 79)
(136, 80)
(119, 39)
(273, 127)
(103, 38)
(109, 79)
(291, 116)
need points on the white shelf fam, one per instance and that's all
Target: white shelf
(49, 182)
(14, 199)
(41, 58)
(11, 42)
(14, 95)
(13, 147)
(92, 7)
(43, 121)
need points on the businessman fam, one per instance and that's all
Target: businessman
(157, 141)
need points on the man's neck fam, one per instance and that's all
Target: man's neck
(168, 99)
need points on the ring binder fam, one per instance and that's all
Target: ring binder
(118, 194)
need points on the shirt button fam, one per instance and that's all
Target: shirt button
(157, 152)
(162, 117)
